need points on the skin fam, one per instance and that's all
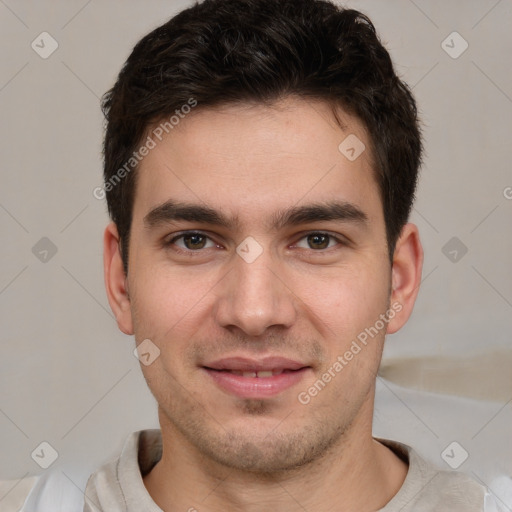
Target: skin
(303, 298)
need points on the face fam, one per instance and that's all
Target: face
(257, 264)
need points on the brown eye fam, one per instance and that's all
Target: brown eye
(194, 241)
(318, 241)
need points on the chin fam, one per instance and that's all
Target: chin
(267, 451)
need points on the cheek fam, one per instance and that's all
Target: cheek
(166, 312)
(345, 300)
(158, 305)
(162, 291)
(347, 315)
(170, 306)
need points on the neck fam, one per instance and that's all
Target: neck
(357, 473)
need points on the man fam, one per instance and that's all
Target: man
(261, 159)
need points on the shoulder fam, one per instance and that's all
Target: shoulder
(429, 488)
(103, 490)
(62, 490)
(118, 485)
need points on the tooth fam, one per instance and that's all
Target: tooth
(249, 374)
(266, 373)
(277, 372)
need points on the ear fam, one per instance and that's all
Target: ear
(405, 276)
(116, 282)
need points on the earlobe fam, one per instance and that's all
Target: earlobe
(116, 282)
(405, 276)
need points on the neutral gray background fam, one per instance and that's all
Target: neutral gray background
(69, 377)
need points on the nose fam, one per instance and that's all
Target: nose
(254, 296)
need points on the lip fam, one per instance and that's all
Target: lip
(255, 365)
(256, 387)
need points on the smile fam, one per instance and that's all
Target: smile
(249, 378)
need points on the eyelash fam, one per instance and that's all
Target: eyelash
(191, 252)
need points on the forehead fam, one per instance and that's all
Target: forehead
(255, 158)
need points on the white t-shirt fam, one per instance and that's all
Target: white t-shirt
(118, 485)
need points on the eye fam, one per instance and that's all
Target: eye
(318, 241)
(192, 241)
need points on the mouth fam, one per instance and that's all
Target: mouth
(249, 378)
(261, 374)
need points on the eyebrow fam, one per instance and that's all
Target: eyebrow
(329, 211)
